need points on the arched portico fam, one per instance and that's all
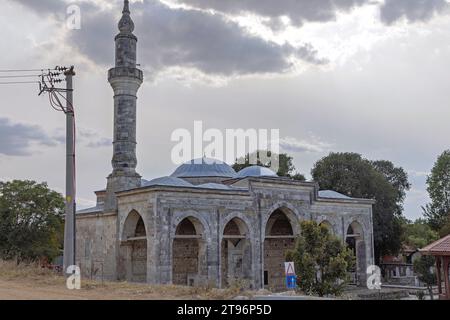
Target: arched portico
(355, 242)
(134, 248)
(236, 253)
(281, 230)
(189, 253)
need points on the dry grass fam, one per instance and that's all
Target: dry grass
(41, 278)
(11, 270)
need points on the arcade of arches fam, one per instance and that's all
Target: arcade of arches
(189, 250)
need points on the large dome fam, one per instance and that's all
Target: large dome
(204, 168)
(256, 171)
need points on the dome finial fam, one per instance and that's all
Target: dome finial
(126, 24)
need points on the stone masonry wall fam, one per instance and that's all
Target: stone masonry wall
(96, 246)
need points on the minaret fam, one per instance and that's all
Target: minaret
(125, 79)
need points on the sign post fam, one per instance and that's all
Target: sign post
(291, 278)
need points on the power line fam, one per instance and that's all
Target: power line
(28, 70)
(20, 82)
(20, 76)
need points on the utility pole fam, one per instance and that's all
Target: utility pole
(69, 232)
(47, 84)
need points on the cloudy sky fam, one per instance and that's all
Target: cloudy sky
(365, 76)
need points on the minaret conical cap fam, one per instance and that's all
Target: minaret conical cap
(126, 24)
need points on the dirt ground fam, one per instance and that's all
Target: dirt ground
(29, 290)
(32, 283)
(42, 289)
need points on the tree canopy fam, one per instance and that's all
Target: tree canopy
(321, 259)
(418, 234)
(31, 221)
(286, 166)
(445, 229)
(438, 211)
(354, 176)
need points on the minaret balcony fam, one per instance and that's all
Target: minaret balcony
(125, 72)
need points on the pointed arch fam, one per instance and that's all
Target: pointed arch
(236, 252)
(281, 230)
(355, 242)
(189, 252)
(134, 239)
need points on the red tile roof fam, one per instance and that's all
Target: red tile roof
(440, 247)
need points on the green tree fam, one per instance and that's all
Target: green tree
(438, 188)
(354, 176)
(31, 221)
(445, 229)
(322, 260)
(286, 165)
(418, 234)
(423, 267)
(397, 177)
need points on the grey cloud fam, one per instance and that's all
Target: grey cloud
(412, 10)
(291, 144)
(301, 11)
(184, 38)
(16, 139)
(56, 7)
(92, 139)
(211, 44)
(298, 11)
(85, 137)
(100, 143)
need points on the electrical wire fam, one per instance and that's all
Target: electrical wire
(29, 70)
(20, 76)
(20, 82)
(70, 106)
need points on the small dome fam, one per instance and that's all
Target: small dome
(166, 181)
(204, 168)
(256, 171)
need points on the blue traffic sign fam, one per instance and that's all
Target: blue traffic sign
(291, 282)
